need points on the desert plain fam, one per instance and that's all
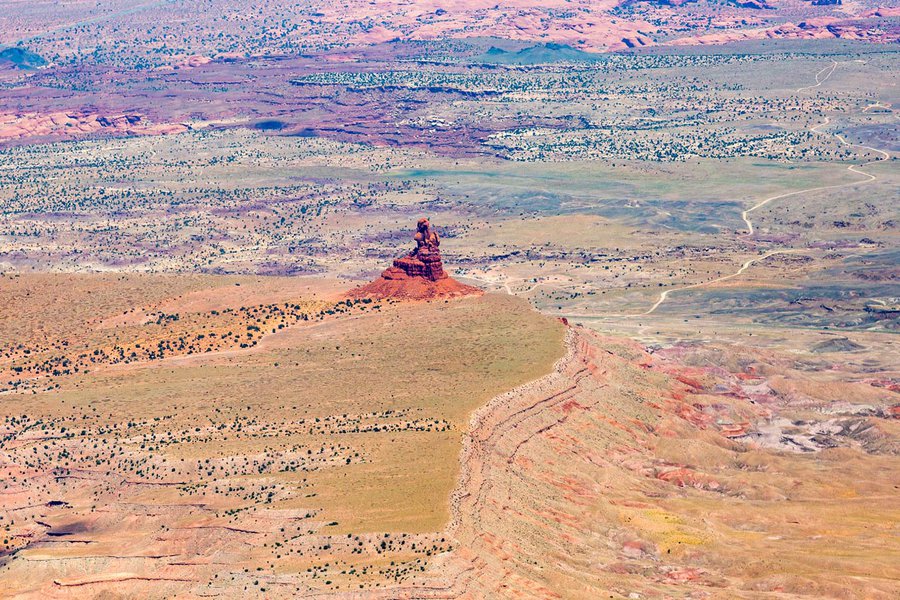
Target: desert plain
(672, 370)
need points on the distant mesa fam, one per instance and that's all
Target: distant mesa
(22, 58)
(417, 276)
(839, 344)
(754, 4)
(540, 54)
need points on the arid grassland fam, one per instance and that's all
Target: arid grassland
(683, 380)
(327, 452)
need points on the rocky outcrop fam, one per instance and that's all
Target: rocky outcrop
(810, 29)
(417, 276)
(65, 125)
(22, 58)
(752, 4)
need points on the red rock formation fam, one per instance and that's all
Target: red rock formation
(417, 276)
(65, 125)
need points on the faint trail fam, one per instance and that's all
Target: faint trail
(853, 168)
(878, 104)
(746, 265)
(745, 215)
(819, 79)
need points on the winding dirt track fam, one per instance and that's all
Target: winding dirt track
(819, 79)
(746, 265)
(745, 215)
(852, 168)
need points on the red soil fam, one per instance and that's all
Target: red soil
(401, 286)
(417, 276)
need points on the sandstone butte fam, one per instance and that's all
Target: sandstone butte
(417, 276)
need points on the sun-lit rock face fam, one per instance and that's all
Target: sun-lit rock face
(417, 276)
(424, 261)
